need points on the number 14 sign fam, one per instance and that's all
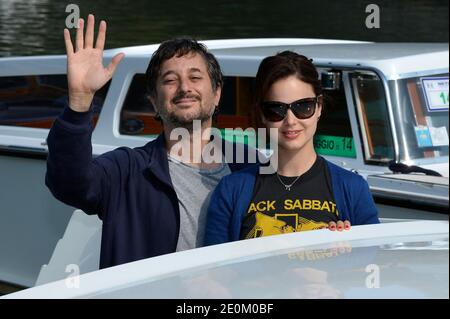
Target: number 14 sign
(436, 93)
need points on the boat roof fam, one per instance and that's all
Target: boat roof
(236, 44)
(343, 51)
(394, 60)
(241, 57)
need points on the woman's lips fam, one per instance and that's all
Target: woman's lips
(291, 134)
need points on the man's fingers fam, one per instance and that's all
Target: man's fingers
(347, 225)
(115, 61)
(89, 43)
(68, 42)
(340, 225)
(332, 226)
(100, 44)
(80, 31)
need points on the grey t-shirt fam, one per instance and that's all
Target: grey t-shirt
(194, 187)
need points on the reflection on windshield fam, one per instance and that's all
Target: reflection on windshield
(337, 271)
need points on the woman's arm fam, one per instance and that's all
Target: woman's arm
(364, 209)
(220, 213)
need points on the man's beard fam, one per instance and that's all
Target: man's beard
(186, 120)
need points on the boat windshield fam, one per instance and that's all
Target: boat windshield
(421, 109)
(373, 116)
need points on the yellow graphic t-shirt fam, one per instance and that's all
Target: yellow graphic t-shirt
(276, 208)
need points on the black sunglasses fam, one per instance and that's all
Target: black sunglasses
(276, 111)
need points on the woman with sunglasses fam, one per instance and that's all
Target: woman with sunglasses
(306, 192)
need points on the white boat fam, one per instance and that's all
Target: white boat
(391, 260)
(385, 106)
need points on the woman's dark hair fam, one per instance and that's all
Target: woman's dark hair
(281, 66)
(180, 47)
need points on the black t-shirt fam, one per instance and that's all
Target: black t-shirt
(308, 205)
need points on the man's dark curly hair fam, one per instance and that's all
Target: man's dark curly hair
(179, 47)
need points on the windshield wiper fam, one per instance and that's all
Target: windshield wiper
(406, 169)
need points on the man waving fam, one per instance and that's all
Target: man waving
(152, 201)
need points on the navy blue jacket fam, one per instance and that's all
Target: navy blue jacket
(129, 189)
(232, 196)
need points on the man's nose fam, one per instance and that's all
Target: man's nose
(185, 86)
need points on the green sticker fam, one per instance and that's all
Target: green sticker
(324, 144)
(238, 136)
(335, 145)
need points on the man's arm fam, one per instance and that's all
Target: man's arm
(72, 175)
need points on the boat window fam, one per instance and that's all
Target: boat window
(138, 116)
(36, 100)
(334, 133)
(236, 110)
(422, 118)
(373, 116)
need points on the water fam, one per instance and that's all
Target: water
(31, 27)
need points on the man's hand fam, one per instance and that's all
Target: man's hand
(85, 71)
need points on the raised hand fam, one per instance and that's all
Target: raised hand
(85, 71)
